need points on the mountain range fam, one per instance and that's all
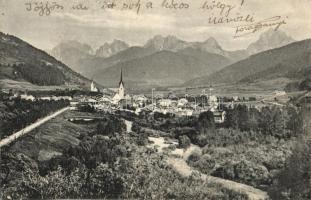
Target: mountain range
(162, 61)
(292, 62)
(180, 61)
(22, 63)
(163, 68)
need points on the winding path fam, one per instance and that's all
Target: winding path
(29, 128)
(180, 165)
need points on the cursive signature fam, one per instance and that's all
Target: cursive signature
(243, 30)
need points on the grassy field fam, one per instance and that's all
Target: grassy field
(52, 138)
(23, 85)
(259, 89)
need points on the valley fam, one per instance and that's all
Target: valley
(112, 110)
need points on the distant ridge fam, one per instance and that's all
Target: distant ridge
(289, 61)
(163, 68)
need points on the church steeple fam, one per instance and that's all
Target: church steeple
(121, 78)
(120, 94)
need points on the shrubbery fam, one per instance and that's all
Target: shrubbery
(104, 166)
(110, 125)
(294, 181)
(184, 141)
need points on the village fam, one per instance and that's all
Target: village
(179, 105)
(182, 104)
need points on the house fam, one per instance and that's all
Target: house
(219, 116)
(182, 102)
(28, 97)
(165, 102)
(213, 103)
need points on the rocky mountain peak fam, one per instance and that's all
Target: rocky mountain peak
(109, 49)
(269, 40)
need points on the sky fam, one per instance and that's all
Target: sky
(96, 25)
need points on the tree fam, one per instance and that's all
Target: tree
(294, 182)
(232, 117)
(279, 122)
(294, 123)
(253, 119)
(243, 117)
(266, 121)
(206, 122)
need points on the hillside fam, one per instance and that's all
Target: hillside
(164, 68)
(94, 65)
(213, 61)
(287, 61)
(22, 63)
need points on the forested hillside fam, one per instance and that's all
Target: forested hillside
(20, 61)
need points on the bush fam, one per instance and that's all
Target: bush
(294, 182)
(205, 164)
(184, 141)
(194, 157)
(243, 171)
(110, 125)
(202, 140)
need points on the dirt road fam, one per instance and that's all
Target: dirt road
(29, 128)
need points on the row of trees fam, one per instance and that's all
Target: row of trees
(275, 121)
(244, 122)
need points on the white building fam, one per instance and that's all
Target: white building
(28, 97)
(182, 102)
(165, 102)
(213, 103)
(219, 116)
(93, 87)
(279, 93)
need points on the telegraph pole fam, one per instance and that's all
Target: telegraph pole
(152, 94)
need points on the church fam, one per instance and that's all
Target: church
(93, 87)
(120, 95)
